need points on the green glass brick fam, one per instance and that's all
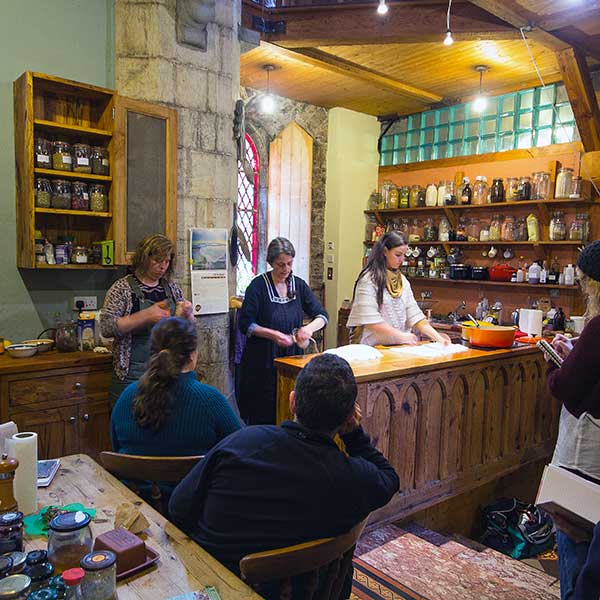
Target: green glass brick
(525, 121)
(544, 117)
(543, 137)
(524, 139)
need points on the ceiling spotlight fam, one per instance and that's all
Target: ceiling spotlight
(267, 102)
(448, 40)
(480, 102)
(382, 8)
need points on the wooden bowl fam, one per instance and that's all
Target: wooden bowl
(21, 350)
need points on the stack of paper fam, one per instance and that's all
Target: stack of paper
(356, 352)
(433, 350)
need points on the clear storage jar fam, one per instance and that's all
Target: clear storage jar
(497, 191)
(100, 581)
(403, 196)
(508, 229)
(98, 198)
(541, 186)
(80, 198)
(43, 153)
(512, 188)
(101, 163)
(82, 158)
(564, 180)
(61, 194)
(413, 199)
(69, 539)
(524, 189)
(61, 156)
(558, 228)
(80, 255)
(43, 193)
(496, 228)
(480, 190)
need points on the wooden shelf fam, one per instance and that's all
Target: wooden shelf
(72, 175)
(55, 127)
(75, 213)
(487, 282)
(491, 243)
(74, 267)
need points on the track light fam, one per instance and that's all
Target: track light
(480, 102)
(267, 102)
(382, 8)
(448, 40)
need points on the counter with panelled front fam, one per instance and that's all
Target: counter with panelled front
(448, 425)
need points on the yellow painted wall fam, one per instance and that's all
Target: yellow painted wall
(352, 169)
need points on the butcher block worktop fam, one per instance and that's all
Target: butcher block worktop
(52, 360)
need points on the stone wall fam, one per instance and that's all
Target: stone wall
(263, 128)
(203, 86)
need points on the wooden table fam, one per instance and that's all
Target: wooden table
(448, 425)
(183, 566)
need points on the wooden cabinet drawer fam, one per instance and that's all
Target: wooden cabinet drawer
(57, 385)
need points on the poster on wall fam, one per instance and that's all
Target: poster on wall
(208, 264)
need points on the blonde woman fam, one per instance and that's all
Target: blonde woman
(577, 385)
(135, 303)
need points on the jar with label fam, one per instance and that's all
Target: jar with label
(61, 156)
(15, 587)
(564, 180)
(558, 228)
(511, 189)
(444, 230)
(415, 232)
(508, 229)
(533, 228)
(61, 194)
(82, 158)
(484, 233)
(43, 152)
(441, 194)
(100, 579)
(69, 539)
(80, 199)
(100, 162)
(42, 193)
(413, 198)
(430, 231)
(431, 195)
(576, 230)
(480, 190)
(524, 189)
(403, 194)
(497, 191)
(393, 197)
(11, 532)
(80, 255)
(98, 198)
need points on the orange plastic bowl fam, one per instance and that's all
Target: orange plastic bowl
(494, 336)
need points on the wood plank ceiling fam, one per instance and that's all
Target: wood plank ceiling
(347, 55)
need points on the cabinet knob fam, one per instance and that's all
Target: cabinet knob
(86, 417)
(72, 419)
(77, 385)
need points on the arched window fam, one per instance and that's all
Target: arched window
(247, 218)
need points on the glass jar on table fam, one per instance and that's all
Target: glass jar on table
(69, 540)
(100, 579)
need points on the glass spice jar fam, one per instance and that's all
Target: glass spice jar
(413, 198)
(11, 532)
(403, 197)
(61, 194)
(511, 188)
(61, 156)
(15, 587)
(430, 231)
(575, 188)
(508, 229)
(521, 230)
(101, 164)
(80, 198)
(415, 233)
(564, 180)
(100, 579)
(461, 230)
(576, 230)
(524, 189)
(393, 197)
(43, 153)
(444, 230)
(495, 228)
(480, 190)
(558, 228)
(42, 193)
(98, 198)
(69, 537)
(497, 191)
(542, 189)
(473, 230)
(371, 223)
(82, 155)
(80, 255)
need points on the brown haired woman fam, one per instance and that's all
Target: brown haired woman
(168, 412)
(135, 303)
(384, 310)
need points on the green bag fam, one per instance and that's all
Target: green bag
(518, 529)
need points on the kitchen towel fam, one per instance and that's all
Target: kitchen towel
(23, 447)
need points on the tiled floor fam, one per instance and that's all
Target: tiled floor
(441, 568)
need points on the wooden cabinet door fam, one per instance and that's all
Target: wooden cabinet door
(94, 428)
(144, 152)
(57, 429)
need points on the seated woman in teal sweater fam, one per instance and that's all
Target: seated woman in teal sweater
(168, 412)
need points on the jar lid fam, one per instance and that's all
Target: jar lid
(96, 561)
(6, 564)
(11, 518)
(13, 585)
(70, 521)
(18, 559)
(35, 557)
(45, 594)
(73, 576)
(39, 572)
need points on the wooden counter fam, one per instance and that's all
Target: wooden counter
(448, 425)
(62, 396)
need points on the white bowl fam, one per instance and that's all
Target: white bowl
(42, 345)
(21, 350)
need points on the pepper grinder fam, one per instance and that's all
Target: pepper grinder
(8, 466)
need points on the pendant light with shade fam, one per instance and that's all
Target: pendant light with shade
(267, 102)
(480, 102)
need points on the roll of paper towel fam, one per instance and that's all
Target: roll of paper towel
(530, 321)
(24, 447)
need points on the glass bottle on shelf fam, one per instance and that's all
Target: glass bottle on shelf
(511, 188)
(461, 230)
(413, 198)
(444, 230)
(564, 180)
(508, 229)
(441, 193)
(43, 193)
(585, 226)
(450, 198)
(371, 223)
(533, 228)
(430, 231)
(403, 196)
(543, 187)
(393, 196)
(495, 228)
(554, 271)
(431, 195)
(421, 197)
(43, 152)
(524, 189)
(497, 191)
(386, 188)
(484, 232)
(480, 190)
(473, 229)
(558, 228)
(466, 194)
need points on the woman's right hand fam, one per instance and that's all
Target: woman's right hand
(562, 344)
(157, 312)
(283, 340)
(406, 337)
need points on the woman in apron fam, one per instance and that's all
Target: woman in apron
(135, 303)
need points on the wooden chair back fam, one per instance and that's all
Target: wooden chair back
(323, 565)
(154, 469)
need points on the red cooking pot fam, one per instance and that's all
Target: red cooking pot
(502, 273)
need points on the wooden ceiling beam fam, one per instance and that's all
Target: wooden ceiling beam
(569, 16)
(334, 64)
(344, 25)
(582, 96)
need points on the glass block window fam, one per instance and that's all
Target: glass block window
(247, 212)
(535, 117)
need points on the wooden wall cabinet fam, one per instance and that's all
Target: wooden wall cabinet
(141, 139)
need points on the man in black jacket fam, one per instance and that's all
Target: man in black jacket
(266, 487)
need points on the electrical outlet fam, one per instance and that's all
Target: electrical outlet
(89, 302)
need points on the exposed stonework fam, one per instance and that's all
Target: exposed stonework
(203, 85)
(263, 128)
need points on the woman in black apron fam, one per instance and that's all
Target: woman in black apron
(135, 303)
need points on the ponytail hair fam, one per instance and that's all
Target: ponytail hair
(172, 343)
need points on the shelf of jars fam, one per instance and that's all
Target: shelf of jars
(71, 175)
(75, 213)
(491, 243)
(487, 282)
(75, 267)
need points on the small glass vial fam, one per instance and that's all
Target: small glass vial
(61, 156)
(43, 153)
(11, 532)
(100, 579)
(73, 579)
(15, 587)
(100, 162)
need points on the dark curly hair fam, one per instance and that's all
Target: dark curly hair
(172, 343)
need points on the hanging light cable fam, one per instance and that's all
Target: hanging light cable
(267, 103)
(480, 103)
(382, 8)
(448, 40)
